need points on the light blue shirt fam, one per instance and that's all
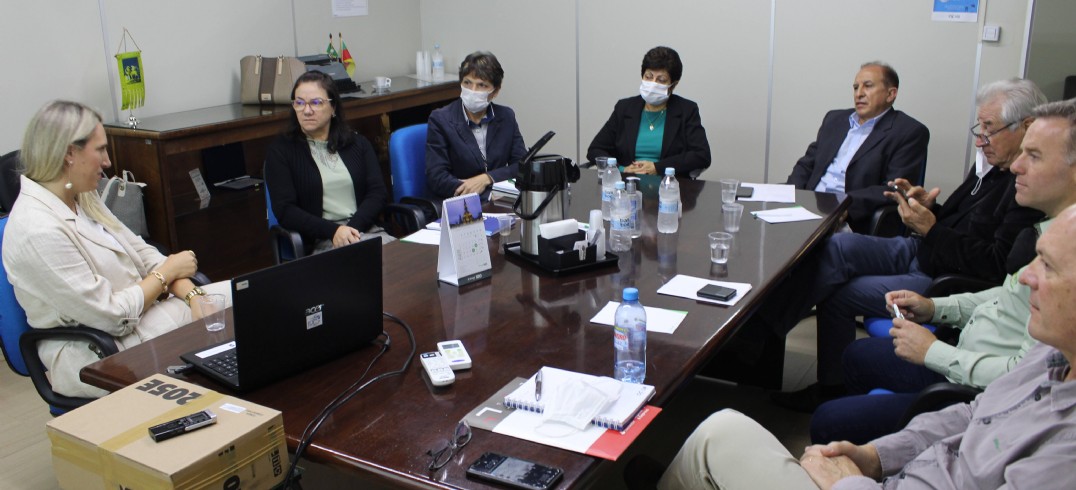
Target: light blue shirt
(833, 181)
(479, 130)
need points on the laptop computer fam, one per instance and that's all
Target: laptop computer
(225, 166)
(296, 315)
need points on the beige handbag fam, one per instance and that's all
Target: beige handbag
(268, 80)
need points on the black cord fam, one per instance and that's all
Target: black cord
(349, 393)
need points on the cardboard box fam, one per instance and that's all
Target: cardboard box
(106, 444)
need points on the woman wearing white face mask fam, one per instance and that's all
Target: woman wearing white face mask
(472, 143)
(656, 129)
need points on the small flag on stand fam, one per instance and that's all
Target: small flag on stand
(331, 50)
(349, 63)
(132, 85)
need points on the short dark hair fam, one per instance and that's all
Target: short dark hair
(482, 64)
(889, 75)
(663, 58)
(340, 134)
(1064, 110)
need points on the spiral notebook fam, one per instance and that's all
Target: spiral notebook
(617, 416)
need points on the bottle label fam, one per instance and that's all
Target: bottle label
(670, 206)
(621, 223)
(634, 217)
(607, 194)
(620, 338)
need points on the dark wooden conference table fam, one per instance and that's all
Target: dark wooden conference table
(512, 324)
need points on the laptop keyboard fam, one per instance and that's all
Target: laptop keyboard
(224, 364)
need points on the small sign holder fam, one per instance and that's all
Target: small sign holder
(463, 256)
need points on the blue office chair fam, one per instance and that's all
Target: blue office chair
(19, 343)
(286, 244)
(407, 154)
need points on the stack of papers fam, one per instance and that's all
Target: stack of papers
(771, 192)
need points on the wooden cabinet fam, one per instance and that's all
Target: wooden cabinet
(230, 234)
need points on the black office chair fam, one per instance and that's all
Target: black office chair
(886, 222)
(936, 397)
(9, 180)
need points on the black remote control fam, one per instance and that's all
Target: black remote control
(182, 425)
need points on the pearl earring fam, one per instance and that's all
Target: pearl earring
(69, 185)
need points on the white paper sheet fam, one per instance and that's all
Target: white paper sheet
(771, 193)
(688, 287)
(657, 319)
(785, 215)
(424, 237)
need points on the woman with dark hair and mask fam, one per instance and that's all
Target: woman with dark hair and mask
(324, 179)
(656, 129)
(472, 143)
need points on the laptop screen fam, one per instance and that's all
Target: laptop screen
(302, 313)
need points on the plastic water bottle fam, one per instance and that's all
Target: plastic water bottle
(610, 176)
(636, 199)
(669, 203)
(620, 224)
(438, 63)
(629, 339)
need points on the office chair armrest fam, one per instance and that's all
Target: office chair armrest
(886, 222)
(430, 210)
(948, 284)
(938, 396)
(200, 279)
(401, 220)
(286, 238)
(104, 343)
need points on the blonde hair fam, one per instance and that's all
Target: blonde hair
(52, 131)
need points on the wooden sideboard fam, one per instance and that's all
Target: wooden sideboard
(231, 234)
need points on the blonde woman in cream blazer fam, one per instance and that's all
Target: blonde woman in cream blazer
(72, 262)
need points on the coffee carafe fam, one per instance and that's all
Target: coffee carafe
(543, 192)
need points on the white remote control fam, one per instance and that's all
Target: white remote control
(454, 354)
(437, 368)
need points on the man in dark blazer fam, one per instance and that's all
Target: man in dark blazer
(894, 146)
(455, 164)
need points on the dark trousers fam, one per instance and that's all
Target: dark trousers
(854, 274)
(869, 364)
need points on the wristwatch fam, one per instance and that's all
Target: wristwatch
(197, 291)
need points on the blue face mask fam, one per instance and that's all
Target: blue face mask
(473, 100)
(654, 93)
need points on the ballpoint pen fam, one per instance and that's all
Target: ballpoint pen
(538, 386)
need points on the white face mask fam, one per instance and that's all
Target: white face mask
(654, 93)
(473, 100)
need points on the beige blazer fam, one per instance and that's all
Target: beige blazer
(66, 270)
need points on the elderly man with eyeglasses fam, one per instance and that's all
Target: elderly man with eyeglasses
(974, 233)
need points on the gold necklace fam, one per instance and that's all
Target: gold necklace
(655, 119)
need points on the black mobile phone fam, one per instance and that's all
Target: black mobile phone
(515, 472)
(713, 291)
(744, 192)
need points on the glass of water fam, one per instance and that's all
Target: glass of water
(720, 243)
(728, 190)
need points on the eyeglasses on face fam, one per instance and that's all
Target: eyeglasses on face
(441, 454)
(315, 104)
(978, 133)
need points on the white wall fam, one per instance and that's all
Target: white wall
(191, 49)
(566, 61)
(1053, 44)
(817, 46)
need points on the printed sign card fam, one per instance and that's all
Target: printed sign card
(463, 256)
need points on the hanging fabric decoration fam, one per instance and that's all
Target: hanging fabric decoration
(132, 82)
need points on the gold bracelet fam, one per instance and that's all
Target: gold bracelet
(197, 291)
(164, 285)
